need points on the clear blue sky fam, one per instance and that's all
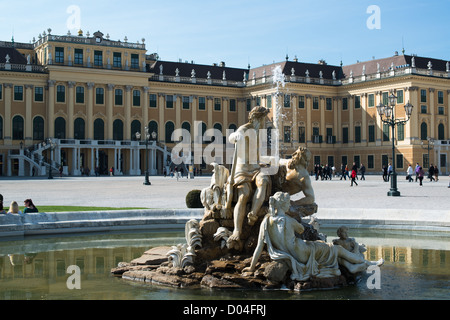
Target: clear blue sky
(247, 31)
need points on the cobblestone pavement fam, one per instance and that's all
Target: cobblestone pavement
(167, 192)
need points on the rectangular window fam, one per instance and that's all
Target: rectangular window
(1, 92)
(269, 101)
(79, 95)
(371, 100)
(316, 159)
(59, 55)
(440, 97)
(328, 104)
(38, 94)
(370, 161)
(232, 105)
(440, 110)
(385, 132)
(357, 134)
(258, 101)
(385, 98)
(185, 102)
(400, 132)
(117, 60)
(330, 161)
(60, 93)
(384, 160)
(344, 103)
(357, 160)
(136, 98)
(399, 161)
(344, 160)
(18, 93)
(134, 61)
(99, 96)
(443, 160)
(301, 134)
(400, 96)
(169, 101)
(78, 56)
(423, 95)
(249, 104)
(287, 101)
(316, 103)
(118, 97)
(152, 98)
(301, 102)
(287, 134)
(345, 135)
(423, 109)
(371, 133)
(357, 102)
(217, 104)
(98, 58)
(201, 103)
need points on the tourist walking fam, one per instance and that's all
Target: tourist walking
(343, 175)
(436, 173)
(420, 175)
(389, 171)
(353, 174)
(385, 174)
(362, 169)
(409, 173)
(431, 173)
(416, 170)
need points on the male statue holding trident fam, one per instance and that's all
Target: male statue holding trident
(247, 174)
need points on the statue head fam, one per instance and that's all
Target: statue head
(301, 156)
(342, 232)
(258, 114)
(279, 202)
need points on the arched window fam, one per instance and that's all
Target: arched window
(423, 131)
(153, 127)
(136, 127)
(60, 128)
(38, 128)
(99, 129)
(17, 123)
(79, 129)
(441, 132)
(186, 125)
(118, 129)
(170, 127)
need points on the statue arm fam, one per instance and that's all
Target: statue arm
(258, 249)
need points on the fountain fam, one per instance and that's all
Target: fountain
(252, 235)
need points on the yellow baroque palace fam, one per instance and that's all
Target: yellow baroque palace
(76, 102)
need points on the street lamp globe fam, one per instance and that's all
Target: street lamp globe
(408, 109)
(392, 100)
(380, 109)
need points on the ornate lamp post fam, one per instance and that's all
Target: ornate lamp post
(52, 147)
(147, 138)
(389, 118)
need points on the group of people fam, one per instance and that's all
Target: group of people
(433, 173)
(324, 172)
(353, 173)
(14, 207)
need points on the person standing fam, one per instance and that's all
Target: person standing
(343, 172)
(353, 174)
(420, 175)
(389, 171)
(409, 173)
(436, 173)
(362, 169)
(385, 174)
(416, 170)
(431, 173)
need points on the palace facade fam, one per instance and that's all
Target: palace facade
(77, 101)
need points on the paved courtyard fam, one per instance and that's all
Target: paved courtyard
(127, 191)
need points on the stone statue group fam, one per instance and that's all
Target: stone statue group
(250, 208)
